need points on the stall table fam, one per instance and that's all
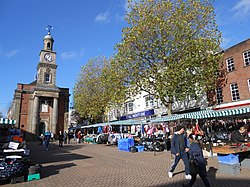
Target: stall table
(232, 157)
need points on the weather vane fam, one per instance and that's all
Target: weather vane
(49, 28)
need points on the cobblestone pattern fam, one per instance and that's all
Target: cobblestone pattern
(104, 166)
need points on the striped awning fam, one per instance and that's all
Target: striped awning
(232, 112)
(217, 113)
(167, 118)
(200, 114)
(204, 114)
(128, 122)
(6, 121)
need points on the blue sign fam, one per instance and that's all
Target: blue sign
(138, 114)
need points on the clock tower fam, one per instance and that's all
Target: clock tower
(42, 105)
(46, 69)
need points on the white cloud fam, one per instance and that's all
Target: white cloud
(70, 55)
(103, 17)
(242, 8)
(12, 53)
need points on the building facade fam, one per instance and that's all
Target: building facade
(233, 92)
(145, 106)
(41, 105)
(235, 88)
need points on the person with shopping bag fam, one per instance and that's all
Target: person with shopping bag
(197, 162)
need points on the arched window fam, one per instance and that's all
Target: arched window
(48, 45)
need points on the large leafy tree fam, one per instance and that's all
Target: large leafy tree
(168, 49)
(99, 87)
(88, 98)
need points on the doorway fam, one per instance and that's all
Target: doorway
(41, 129)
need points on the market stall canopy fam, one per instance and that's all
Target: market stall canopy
(94, 125)
(5, 121)
(128, 122)
(167, 118)
(205, 114)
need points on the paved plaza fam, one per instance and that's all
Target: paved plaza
(105, 166)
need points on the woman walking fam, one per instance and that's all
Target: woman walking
(196, 162)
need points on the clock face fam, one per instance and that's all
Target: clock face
(48, 57)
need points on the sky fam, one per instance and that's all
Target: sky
(82, 29)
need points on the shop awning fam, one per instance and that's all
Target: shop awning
(232, 112)
(167, 118)
(205, 114)
(7, 121)
(200, 114)
(128, 122)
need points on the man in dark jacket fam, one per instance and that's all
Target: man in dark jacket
(179, 149)
(240, 135)
(60, 138)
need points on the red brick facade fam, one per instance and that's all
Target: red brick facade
(238, 73)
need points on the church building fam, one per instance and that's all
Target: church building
(41, 105)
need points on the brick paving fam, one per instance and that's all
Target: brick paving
(104, 166)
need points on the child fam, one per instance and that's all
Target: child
(198, 167)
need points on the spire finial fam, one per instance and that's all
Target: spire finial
(49, 28)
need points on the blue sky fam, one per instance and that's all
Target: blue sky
(83, 29)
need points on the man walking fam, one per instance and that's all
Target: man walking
(47, 137)
(60, 139)
(179, 149)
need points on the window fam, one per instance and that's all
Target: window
(246, 56)
(235, 92)
(129, 106)
(48, 45)
(44, 106)
(47, 77)
(149, 100)
(230, 64)
(219, 95)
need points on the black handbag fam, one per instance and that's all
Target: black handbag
(193, 165)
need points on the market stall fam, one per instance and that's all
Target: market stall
(14, 162)
(232, 157)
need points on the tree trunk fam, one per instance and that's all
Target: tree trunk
(169, 108)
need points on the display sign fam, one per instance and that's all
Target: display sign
(138, 114)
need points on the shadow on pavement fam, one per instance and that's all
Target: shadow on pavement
(54, 154)
(54, 169)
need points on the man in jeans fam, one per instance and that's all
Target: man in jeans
(179, 148)
(47, 137)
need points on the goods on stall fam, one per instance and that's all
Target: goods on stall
(12, 167)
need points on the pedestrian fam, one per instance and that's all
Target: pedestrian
(47, 137)
(79, 137)
(179, 148)
(69, 137)
(60, 138)
(240, 135)
(51, 136)
(197, 162)
(65, 137)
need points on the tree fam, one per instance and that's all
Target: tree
(168, 49)
(98, 86)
